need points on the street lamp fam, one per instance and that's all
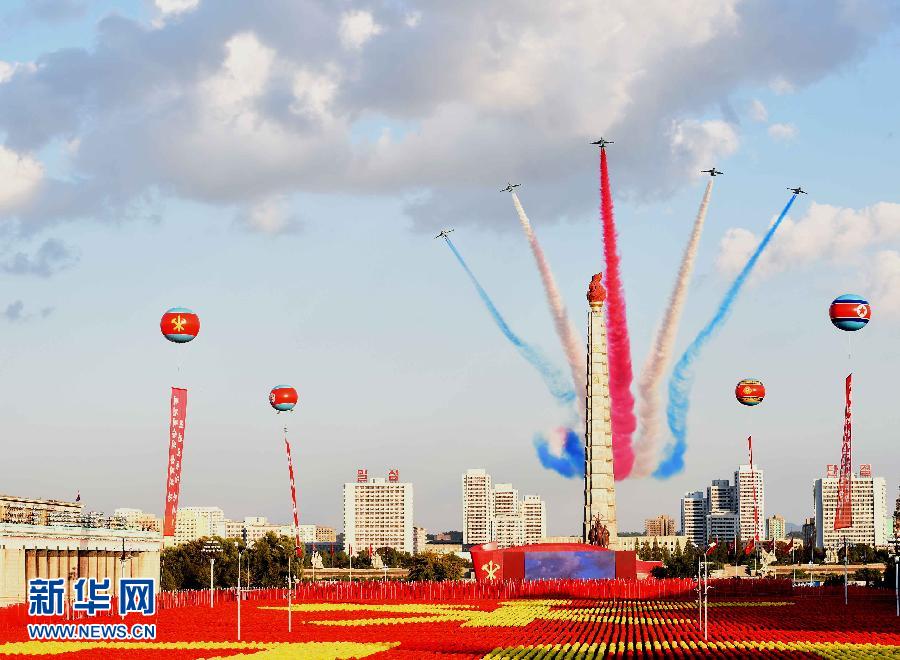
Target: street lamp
(211, 549)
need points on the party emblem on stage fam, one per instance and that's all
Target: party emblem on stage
(491, 569)
(180, 325)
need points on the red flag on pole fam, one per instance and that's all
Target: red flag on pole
(748, 550)
(712, 546)
(843, 514)
(287, 448)
(177, 416)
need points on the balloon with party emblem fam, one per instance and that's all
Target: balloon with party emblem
(180, 325)
(750, 392)
(283, 398)
(850, 312)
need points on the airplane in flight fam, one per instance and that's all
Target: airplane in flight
(713, 172)
(510, 186)
(798, 191)
(602, 142)
(444, 233)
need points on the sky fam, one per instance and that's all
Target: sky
(281, 169)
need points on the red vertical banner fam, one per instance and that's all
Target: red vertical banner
(843, 513)
(287, 448)
(178, 413)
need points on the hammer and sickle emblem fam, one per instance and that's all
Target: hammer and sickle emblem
(491, 569)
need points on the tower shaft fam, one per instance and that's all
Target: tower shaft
(599, 479)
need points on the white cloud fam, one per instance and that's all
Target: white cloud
(20, 176)
(782, 132)
(357, 27)
(171, 7)
(412, 19)
(826, 233)
(781, 86)
(6, 71)
(229, 107)
(699, 144)
(269, 216)
(758, 111)
(313, 94)
(243, 74)
(884, 282)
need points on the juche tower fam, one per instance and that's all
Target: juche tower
(599, 480)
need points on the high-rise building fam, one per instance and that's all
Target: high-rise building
(534, 513)
(509, 525)
(722, 517)
(868, 498)
(325, 534)
(693, 517)
(599, 482)
(809, 532)
(751, 497)
(775, 528)
(722, 526)
(506, 500)
(196, 522)
(509, 529)
(137, 519)
(662, 525)
(378, 513)
(478, 507)
(721, 496)
(420, 538)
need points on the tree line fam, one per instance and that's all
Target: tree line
(264, 564)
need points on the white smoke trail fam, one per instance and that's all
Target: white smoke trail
(574, 348)
(650, 405)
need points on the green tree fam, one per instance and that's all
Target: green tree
(268, 561)
(868, 575)
(432, 566)
(644, 551)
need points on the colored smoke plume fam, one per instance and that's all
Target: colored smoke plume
(650, 404)
(683, 376)
(553, 378)
(620, 376)
(562, 452)
(572, 344)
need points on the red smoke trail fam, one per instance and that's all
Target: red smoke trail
(622, 414)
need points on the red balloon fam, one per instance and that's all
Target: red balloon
(283, 398)
(750, 392)
(179, 325)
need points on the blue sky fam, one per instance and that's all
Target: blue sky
(314, 264)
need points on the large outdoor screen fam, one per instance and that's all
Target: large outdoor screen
(582, 565)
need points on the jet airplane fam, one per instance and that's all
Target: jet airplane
(798, 191)
(602, 142)
(510, 186)
(444, 233)
(713, 172)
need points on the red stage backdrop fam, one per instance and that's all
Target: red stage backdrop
(287, 448)
(843, 515)
(176, 445)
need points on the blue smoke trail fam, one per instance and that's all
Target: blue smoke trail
(683, 376)
(553, 378)
(571, 463)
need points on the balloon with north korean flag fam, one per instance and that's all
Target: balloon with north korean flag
(850, 312)
(180, 325)
(283, 398)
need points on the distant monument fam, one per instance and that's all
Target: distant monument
(599, 527)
